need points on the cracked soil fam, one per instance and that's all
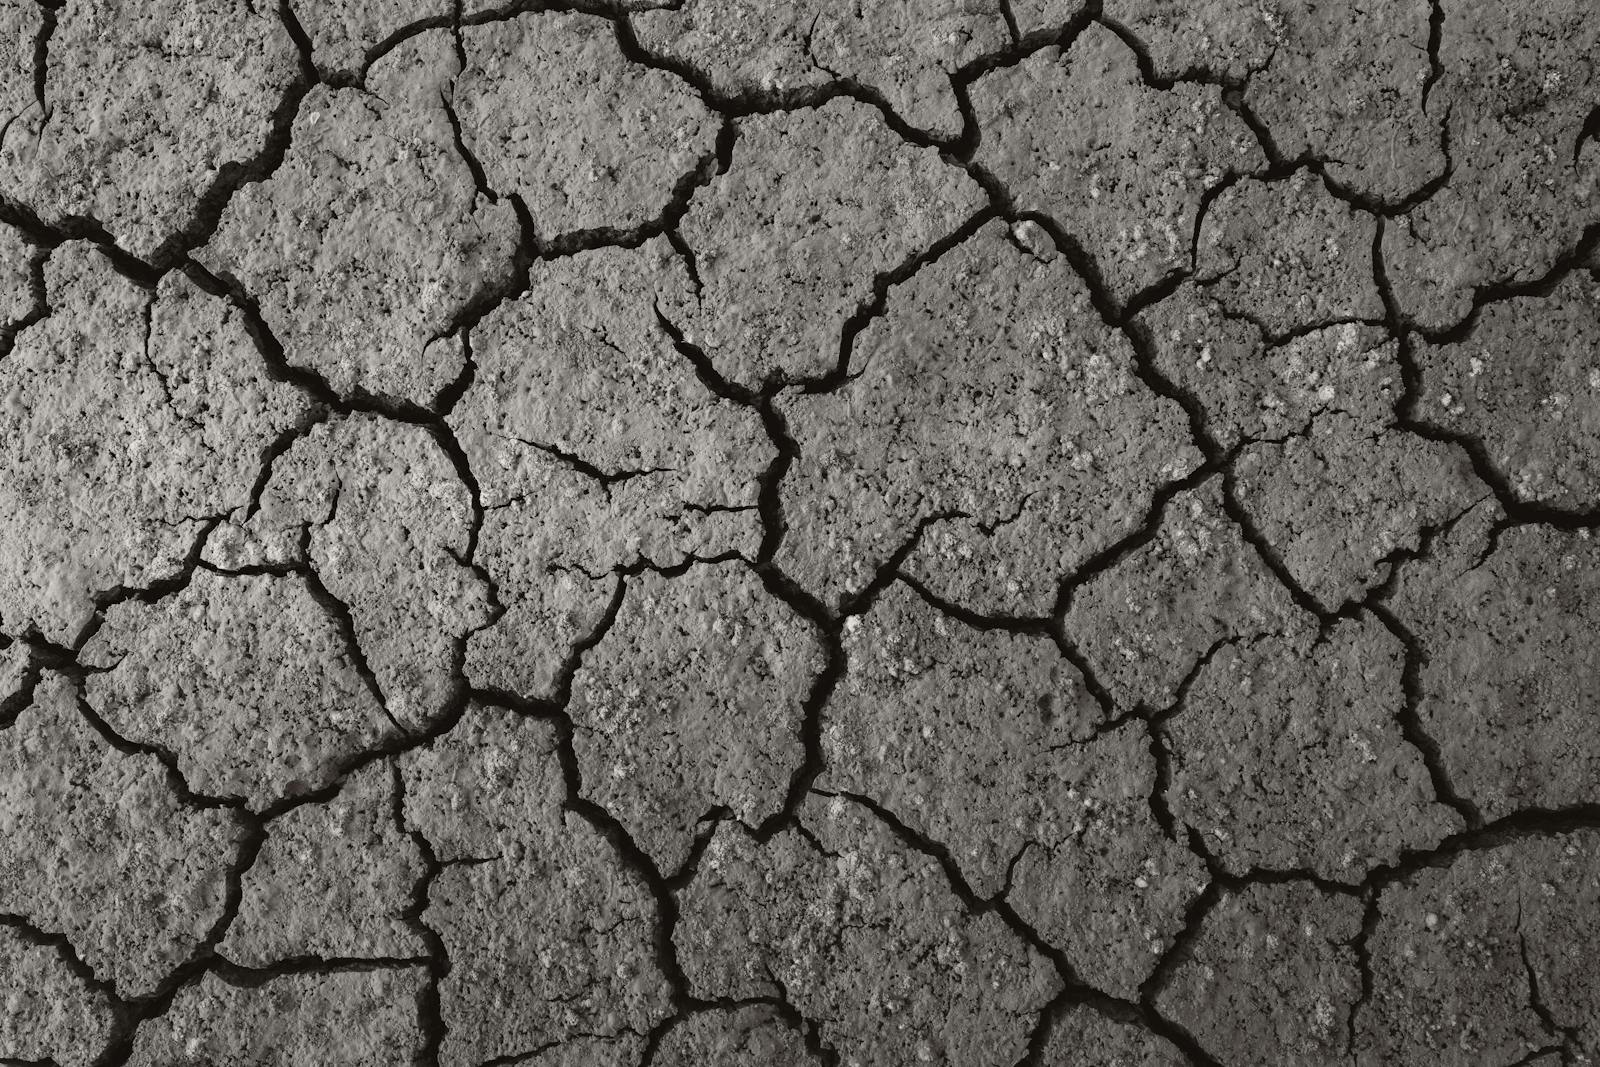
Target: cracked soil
(723, 533)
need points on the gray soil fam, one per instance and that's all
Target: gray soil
(797, 533)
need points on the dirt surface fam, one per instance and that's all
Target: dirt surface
(732, 533)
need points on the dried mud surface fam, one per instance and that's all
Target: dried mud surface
(725, 533)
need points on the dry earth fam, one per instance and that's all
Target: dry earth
(796, 532)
